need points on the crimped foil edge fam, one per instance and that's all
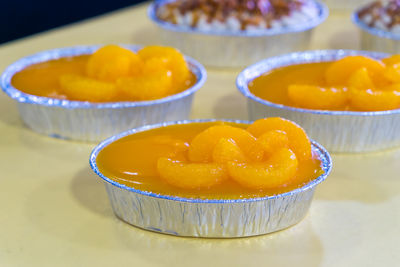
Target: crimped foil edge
(43, 56)
(208, 217)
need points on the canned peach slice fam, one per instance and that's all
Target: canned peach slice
(317, 97)
(339, 71)
(78, 87)
(191, 175)
(298, 140)
(279, 169)
(202, 146)
(112, 62)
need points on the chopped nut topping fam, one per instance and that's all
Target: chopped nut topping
(237, 14)
(383, 14)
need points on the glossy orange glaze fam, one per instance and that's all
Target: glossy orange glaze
(273, 85)
(42, 79)
(132, 161)
(352, 83)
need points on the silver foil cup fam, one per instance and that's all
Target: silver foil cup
(208, 218)
(227, 49)
(374, 39)
(85, 121)
(338, 131)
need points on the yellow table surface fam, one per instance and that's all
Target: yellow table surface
(54, 211)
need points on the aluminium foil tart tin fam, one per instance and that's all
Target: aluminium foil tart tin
(235, 50)
(85, 121)
(208, 218)
(338, 131)
(374, 39)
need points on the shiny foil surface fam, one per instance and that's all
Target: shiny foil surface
(338, 131)
(208, 217)
(85, 121)
(374, 39)
(235, 50)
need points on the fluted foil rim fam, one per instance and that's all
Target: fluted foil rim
(5, 81)
(374, 31)
(261, 67)
(323, 154)
(323, 14)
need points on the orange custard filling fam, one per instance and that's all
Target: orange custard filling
(213, 160)
(110, 74)
(354, 83)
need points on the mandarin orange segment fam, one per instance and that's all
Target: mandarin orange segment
(392, 73)
(279, 169)
(174, 60)
(202, 146)
(391, 87)
(316, 97)
(339, 71)
(392, 60)
(272, 141)
(112, 62)
(81, 88)
(191, 175)
(146, 87)
(298, 140)
(227, 150)
(255, 152)
(177, 144)
(374, 100)
(360, 79)
(155, 65)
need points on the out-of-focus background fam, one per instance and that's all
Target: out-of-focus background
(20, 18)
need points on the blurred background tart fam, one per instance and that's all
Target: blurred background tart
(236, 33)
